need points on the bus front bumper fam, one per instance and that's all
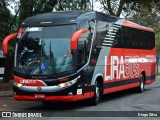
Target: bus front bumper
(44, 98)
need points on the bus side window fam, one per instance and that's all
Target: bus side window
(102, 28)
(117, 40)
(125, 42)
(81, 51)
(84, 43)
(132, 38)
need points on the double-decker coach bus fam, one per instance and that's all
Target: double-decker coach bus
(75, 55)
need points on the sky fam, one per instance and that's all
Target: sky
(97, 6)
(12, 6)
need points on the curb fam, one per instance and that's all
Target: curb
(158, 78)
(6, 95)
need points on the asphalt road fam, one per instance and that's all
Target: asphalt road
(128, 100)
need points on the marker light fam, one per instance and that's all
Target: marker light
(62, 85)
(17, 84)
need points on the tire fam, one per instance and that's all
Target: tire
(140, 89)
(46, 103)
(97, 96)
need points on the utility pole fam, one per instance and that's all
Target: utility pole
(92, 5)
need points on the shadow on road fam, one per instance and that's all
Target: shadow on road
(117, 95)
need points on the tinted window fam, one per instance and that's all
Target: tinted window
(134, 39)
(102, 28)
(84, 43)
(48, 47)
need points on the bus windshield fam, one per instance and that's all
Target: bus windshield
(45, 50)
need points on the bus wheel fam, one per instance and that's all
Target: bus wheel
(96, 98)
(140, 89)
(46, 102)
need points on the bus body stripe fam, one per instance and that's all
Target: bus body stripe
(126, 82)
(119, 88)
(55, 98)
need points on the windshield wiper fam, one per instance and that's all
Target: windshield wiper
(51, 54)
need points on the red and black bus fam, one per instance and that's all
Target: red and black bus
(75, 55)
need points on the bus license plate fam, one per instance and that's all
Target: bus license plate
(39, 96)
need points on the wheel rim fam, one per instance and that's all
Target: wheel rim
(97, 93)
(142, 83)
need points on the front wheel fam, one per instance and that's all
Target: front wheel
(140, 89)
(96, 98)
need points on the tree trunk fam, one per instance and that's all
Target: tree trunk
(8, 72)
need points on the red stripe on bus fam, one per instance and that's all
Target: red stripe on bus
(47, 98)
(149, 82)
(54, 98)
(134, 25)
(119, 88)
(85, 95)
(28, 82)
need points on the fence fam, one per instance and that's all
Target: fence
(2, 63)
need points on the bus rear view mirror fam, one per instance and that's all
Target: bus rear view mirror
(8, 38)
(5, 42)
(75, 38)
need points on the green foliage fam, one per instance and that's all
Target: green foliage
(149, 16)
(125, 7)
(73, 5)
(32, 7)
(5, 20)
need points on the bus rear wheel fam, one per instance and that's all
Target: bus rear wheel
(140, 89)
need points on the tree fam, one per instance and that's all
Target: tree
(5, 29)
(149, 16)
(8, 24)
(125, 8)
(29, 8)
(73, 5)
(25, 9)
(143, 12)
(5, 20)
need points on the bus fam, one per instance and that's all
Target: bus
(75, 55)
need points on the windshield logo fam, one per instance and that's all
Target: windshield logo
(43, 66)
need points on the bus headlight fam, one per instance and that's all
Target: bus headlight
(69, 83)
(17, 84)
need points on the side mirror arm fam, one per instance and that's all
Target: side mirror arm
(5, 42)
(75, 37)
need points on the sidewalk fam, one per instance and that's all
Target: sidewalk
(158, 78)
(8, 93)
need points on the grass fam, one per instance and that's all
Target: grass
(6, 86)
(157, 74)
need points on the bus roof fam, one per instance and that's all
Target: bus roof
(70, 17)
(65, 17)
